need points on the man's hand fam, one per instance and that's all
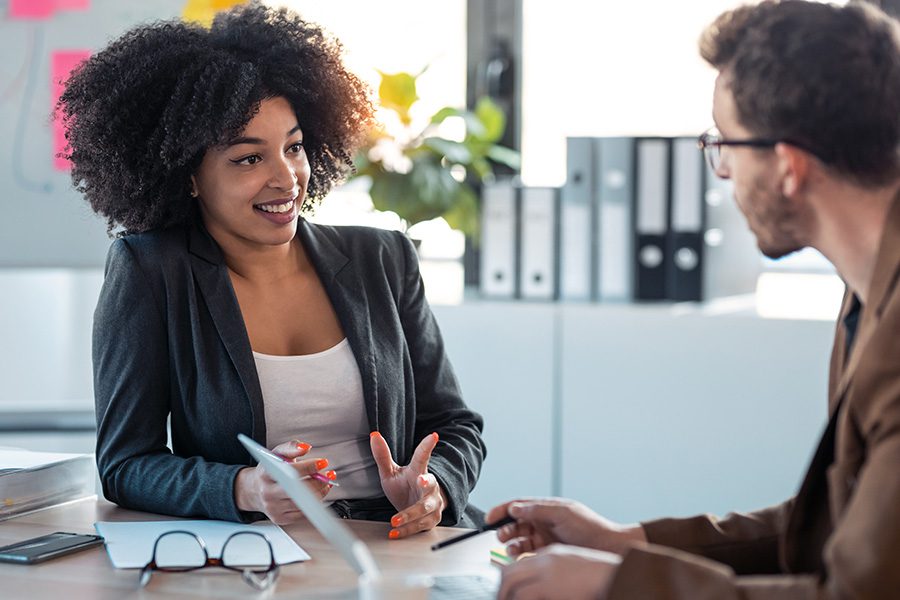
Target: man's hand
(412, 490)
(559, 571)
(544, 521)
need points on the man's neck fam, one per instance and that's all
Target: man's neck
(851, 221)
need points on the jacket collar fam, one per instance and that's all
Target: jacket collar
(342, 282)
(884, 280)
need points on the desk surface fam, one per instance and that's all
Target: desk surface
(89, 574)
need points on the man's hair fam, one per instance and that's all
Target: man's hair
(140, 114)
(824, 77)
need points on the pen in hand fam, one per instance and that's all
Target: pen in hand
(489, 527)
(328, 478)
(319, 477)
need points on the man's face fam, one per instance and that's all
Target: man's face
(772, 217)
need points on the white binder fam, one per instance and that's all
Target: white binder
(538, 231)
(577, 222)
(498, 240)
(615, 205)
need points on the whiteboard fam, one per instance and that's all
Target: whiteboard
(43, 221)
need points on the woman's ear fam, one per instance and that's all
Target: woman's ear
(194, 192)
(793, 168)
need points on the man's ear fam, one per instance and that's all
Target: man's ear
(793, 168)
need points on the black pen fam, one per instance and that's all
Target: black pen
(490, 527)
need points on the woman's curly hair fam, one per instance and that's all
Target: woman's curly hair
(140, 114)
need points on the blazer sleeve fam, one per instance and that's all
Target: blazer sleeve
(456, 461)
(668, 574)
(862, 555)
(746, 542)
(132, 399)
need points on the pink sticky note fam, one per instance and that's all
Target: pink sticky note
(61, 65)
(73, 4)
(43, 9)
(32, 9)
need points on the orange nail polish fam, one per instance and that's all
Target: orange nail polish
(303, 446)
(331, 475)
(423, 481)
(396, 521)
(394, 534)
(436, 437)
(374, 433)
(321, 463)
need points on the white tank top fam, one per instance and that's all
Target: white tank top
(318, 399)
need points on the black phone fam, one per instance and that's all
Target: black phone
(45, 547)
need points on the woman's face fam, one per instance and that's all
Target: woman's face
(251, 189)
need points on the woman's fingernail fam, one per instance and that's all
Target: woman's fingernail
(394, 534)
(331, 475)
(423, 481)
(374, 434)
(321, 464)
(436, 437)
(303, 446)
(396, 521)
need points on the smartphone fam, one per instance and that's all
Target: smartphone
(45, 547)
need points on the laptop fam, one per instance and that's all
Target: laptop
(351, 548)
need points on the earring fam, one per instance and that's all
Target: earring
(194, 194)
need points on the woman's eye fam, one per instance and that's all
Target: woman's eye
(248, 160)
(296, 147)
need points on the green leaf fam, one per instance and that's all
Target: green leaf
(492, 118)
(474, 126)
(397, 92)
(455, 152)
(482, 168)
(463, 215)
(506, 156)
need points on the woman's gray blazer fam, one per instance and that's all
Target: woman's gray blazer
(169, 341)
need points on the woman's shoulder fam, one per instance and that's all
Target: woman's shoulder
(156, 249)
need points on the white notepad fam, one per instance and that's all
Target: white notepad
(130, 544)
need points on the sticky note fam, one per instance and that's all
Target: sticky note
(31, 9)
(61, 65)
(43, 9)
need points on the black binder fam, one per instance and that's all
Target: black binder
(651, 221)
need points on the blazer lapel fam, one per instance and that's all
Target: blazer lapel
(211, 275)
(884, 279)
(809, 524)
(343, 284)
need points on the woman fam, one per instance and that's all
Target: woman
(225, 312)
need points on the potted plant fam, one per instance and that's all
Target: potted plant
(423, 173)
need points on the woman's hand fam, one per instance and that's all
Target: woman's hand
(544, 521)
(255, 490)
(412, 490)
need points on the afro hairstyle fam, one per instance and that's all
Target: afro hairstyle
(140, 114)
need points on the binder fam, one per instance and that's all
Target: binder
(685, 243)
(615, 209)
(651, 218)
(732, 261)
(577, 222)
(538, 232)
(499, 228)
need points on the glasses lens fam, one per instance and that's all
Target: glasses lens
(713, 156)
(247, 550)
(178, 550)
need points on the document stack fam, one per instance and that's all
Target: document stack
(31, 481)
(639, 219)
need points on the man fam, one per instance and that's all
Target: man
(807, 105)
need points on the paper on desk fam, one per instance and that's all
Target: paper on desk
(130, 544)
(13, 459)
